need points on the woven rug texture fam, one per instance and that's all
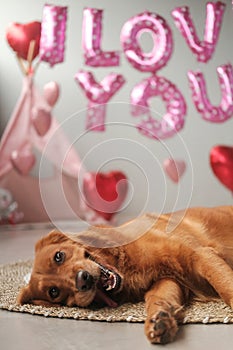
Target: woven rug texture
(12, 278)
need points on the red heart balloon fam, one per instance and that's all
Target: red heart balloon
(19, 37)
(105, 193)
(221, 161)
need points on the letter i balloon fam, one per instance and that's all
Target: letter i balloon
(53, 30)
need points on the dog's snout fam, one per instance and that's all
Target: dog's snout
(84, 281)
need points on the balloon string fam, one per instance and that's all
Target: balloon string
(30, 55)
(29, 69)
(21, 65)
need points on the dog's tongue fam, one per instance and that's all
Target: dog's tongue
(102, 297)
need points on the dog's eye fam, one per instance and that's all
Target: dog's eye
(54, 292)
(59, 257)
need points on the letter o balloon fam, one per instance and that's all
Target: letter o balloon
(162, 37)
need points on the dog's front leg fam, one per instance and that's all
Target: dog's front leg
(164, 310)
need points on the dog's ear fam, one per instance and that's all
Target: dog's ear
(53, 237)
(25, 296)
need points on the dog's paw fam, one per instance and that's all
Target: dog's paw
(161, 328)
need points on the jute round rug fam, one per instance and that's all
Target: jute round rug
(12, 278)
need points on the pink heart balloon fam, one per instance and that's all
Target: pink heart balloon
(51, 92)
(41, 120)
(23, 161)
(174, 169)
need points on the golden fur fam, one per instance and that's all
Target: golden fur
(139, 260)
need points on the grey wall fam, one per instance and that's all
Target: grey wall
(122, 147)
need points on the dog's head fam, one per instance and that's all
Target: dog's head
(66, 272)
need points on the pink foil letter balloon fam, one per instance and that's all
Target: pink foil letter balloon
(91, 41)
(98, 95)
(198, 86)
(214, 14)
(172, 121)
(162, 36)
(53, 28)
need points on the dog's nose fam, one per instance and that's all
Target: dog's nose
(84, 281)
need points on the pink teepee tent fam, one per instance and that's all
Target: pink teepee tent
(32, 127)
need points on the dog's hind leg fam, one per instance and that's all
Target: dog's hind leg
(214, 269)
(164, 310)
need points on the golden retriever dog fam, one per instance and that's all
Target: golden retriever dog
(140, 260)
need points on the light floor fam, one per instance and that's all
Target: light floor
(23, 331)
